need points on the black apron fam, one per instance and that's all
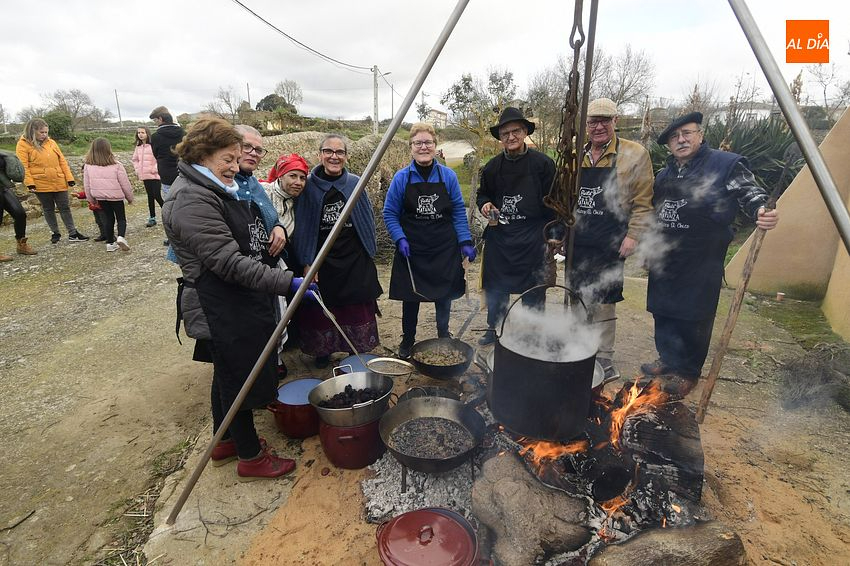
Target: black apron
(686, 283)
(240, 319)
(428, 225)
(348, 275)
(601, 225)
(514, 252)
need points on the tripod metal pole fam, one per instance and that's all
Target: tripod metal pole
(323, 252)
(817, 165)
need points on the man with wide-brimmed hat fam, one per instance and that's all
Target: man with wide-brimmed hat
(511, 193)
(696, 198)
(613, 209)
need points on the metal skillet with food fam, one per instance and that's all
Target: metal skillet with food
(441, 358)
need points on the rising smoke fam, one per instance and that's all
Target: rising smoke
(556, 334)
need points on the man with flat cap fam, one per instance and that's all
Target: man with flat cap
(613, 210)
(513, 185)
(696, 198)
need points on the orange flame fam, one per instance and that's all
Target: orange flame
(638, 400)
(663, 522)
(676, 508)
(613, 505)
(542, 450)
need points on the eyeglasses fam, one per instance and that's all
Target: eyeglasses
(518, 132)
(423, 143)
(260, 151)
(599, 121)
(687, 134)
(327, 152)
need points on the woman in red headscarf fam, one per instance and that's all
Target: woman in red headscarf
(285, 182)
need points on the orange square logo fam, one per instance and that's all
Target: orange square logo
(807, 41)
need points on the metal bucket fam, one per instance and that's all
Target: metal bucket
(540, 399)
(360, 413)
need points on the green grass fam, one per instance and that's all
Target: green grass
(804, 320)
(464, 177)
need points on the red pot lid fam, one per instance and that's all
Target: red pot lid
(427, 537)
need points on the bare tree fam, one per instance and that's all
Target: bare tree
(702, 97)
(76, 103)
(545, 98)
(625, 78)
(834, 92)
(29, 112)
(226, 104)
(797, 87)
(290, 92)
(4, 119)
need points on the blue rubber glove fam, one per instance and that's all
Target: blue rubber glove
(296, 283)
(404, 247)
(468, 252)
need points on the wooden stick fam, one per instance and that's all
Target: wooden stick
(731, 319)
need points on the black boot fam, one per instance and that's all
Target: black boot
(405, 346)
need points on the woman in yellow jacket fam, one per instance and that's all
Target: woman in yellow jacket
(48, 176)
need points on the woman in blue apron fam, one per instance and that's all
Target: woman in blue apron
(426, 218)
(229, 283)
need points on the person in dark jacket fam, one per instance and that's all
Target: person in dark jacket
(9, 202)
(513, 185)
(347, 278)
(426, 218)
(696, 197)
(164, 139)
(229, 287)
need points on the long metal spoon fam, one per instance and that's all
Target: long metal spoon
(331, 316)
(412, 282)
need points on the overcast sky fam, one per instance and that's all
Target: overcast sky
(179, 52)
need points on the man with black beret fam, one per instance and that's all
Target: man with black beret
(511, 193)
(696, 197)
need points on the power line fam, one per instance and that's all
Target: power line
(388, 84)
(329, 59)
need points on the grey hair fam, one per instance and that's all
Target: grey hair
(333, 136)
(246, 129)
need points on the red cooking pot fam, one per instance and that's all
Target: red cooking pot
(352, 447)
(433, 536)
(293, 414)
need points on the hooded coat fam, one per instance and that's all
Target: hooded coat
(46, 168)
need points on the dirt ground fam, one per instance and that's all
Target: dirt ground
(98, 401)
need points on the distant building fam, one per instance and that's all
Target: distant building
(437, 118)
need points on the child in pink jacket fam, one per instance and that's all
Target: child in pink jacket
(106, 183)
(144, 163)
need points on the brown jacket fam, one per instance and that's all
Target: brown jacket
(46, 168)
(634, 179)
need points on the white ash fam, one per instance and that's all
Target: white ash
(384, 499)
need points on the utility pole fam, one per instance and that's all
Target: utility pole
(120, 121)
(248, 88)
(375, 89)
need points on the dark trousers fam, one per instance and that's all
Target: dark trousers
(410, 317)
(683, 344)
(98, 219)
(57, 200)
(497, 304)
(154, 189)
(241, 429)
(112, 211)
(9, 202)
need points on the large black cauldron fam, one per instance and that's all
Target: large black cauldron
(537, 398)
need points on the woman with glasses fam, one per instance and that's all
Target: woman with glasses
(347, 278)
(229, 284)
(426, 218)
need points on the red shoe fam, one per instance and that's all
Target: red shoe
(265, 466)
(225, 451)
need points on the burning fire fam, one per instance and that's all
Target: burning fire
(638, 400)
(541, 450)
(613, 505)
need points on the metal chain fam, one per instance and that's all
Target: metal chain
(561, 197)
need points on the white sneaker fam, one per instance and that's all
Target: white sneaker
(122, 243)
(112, 247)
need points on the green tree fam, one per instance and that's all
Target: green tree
(61, 125)
(475, 106)
(273, 102)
